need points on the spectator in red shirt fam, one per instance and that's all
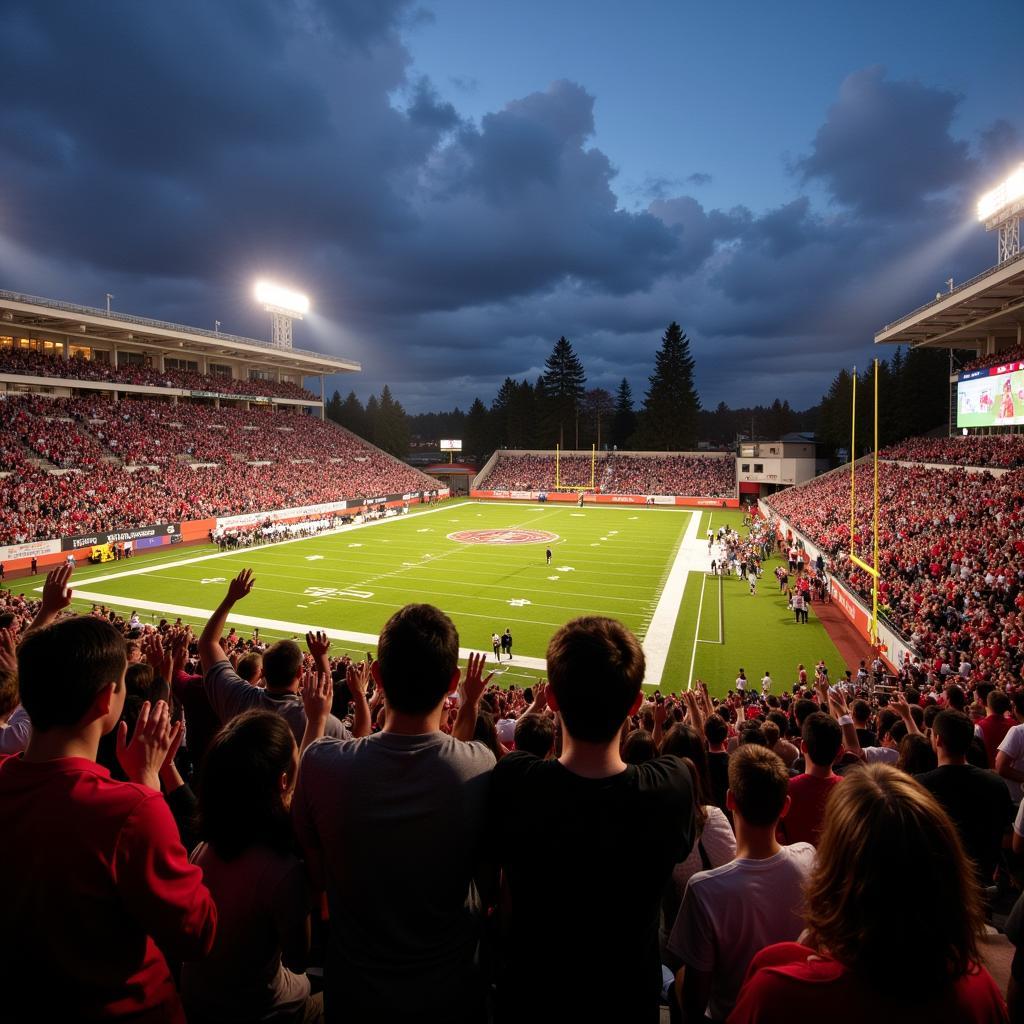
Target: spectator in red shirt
(100, 890)
(808, 793)
(881, 828)
(996, 724)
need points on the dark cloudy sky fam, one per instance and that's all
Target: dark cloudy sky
(458, 182)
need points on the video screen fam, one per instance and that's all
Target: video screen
(992, 397)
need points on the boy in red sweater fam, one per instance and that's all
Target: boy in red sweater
(98, 886)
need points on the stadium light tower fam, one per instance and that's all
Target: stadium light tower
(1001, 210)
(284, 306)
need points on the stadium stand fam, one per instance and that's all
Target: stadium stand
(198, 461)
(618, 473)
(1002, 451)
(1009, 355)
(29, 363)
(951, 557)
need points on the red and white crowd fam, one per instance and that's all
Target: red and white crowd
(1001, 451)
(24, 362)
(618, 473)
(196, 462)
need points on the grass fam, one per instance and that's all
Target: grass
(606, 560)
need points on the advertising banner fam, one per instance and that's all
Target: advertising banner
(169, 533)
(30, 549)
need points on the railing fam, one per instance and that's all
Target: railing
(955, 291)
(142, 321)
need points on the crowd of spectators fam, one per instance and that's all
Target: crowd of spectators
(1009, 355)
(235, 831)
(951, 557)
(1001, 451)
(617, 473)
(196, 461)
(25, 362)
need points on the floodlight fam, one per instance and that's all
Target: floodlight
(1005, 193)
(276, 298)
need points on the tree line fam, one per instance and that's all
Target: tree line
(559, 409)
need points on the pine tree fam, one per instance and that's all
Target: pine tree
(352, 415)
(333, 408)
(669, 418)
(624, 420)
(564, 383)
(372, 419)
(476, 435)
(392, 427)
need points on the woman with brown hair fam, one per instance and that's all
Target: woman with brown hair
(873, 952)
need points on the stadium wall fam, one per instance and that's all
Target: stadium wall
(609, 499)
(56, 550)
(896, 648)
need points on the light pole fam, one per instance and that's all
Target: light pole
(284, 306)
(216, 327)
(109, 297)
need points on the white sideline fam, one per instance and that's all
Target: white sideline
(689, 558)
(276, 625)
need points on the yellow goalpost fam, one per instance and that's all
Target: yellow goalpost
(871, 570)
(559, 486)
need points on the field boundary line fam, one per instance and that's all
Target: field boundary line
(696, 631)
(663, 622)
(277, 625)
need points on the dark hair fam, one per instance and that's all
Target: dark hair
(886, 720)
(535, 734)
(240, 799)
(861, 711)
(822, 737)
(595, 670)
(418, 654)
(1017, 700)
(63, 667)
(638, 747)
(715, 729)
(955, 730)
(881, 828)
(485, 732)
(998, 702)
(759, 784)
(915, 754)
(955, 697)
(780, 719)
(752, 733)
(282, 663)
(685, 742)
(804, 707)
(248, 667)
(138, 679)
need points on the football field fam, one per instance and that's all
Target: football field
(485, 565)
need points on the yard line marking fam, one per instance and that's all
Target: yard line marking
(263, 547)
(659, 636)
(693, 656)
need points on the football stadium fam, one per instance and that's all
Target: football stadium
(313, 708)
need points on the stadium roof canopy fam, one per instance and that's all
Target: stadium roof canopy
(989, 306)
(87, 323)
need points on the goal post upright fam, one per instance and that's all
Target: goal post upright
(870, 569)
(593, 467)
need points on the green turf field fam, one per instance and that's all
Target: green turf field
(606, 560)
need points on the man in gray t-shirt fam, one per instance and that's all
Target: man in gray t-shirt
(393, 826)
(230, 695)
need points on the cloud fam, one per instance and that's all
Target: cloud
(447, 252)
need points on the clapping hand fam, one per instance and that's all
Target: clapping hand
(154, 736)
(317, 695)
(357, 676)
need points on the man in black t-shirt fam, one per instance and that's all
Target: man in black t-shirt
(976, 799)
(587, 844)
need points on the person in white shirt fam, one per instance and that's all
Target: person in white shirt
(1010, 761)
(741, 683)
(766, 683)
(731, 913)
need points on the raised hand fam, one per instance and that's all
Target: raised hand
(56, 596)
(240, 586)
(357, 676)
(154, 736)
(318, 644)
(157, 657)
(473, 684)
(317, 695)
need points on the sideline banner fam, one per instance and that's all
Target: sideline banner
(30, 549)
(140, 536)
